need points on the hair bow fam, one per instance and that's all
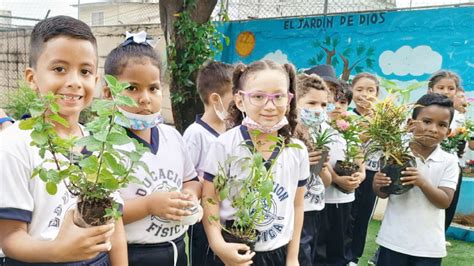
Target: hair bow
(139, 38)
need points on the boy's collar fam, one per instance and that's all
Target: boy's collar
(437, 155)
(206, 125)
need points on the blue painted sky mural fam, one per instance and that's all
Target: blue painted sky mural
(404, 46)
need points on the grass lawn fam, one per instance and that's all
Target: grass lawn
(459, 254)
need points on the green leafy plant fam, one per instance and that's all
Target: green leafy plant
(195, 44)
(252, 195)
(389, 135)
(94, 177)
(20, 101)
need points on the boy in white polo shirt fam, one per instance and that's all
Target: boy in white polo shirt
(412, 231)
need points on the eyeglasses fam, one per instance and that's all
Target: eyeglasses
(260, 99)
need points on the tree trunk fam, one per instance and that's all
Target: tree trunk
(183, 113)
(346, 72)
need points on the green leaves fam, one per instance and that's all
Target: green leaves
(115, 86)
(51, 188)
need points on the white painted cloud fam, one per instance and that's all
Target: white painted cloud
(278, 56)
(410, 61)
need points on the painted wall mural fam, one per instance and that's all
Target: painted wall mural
(404, 46)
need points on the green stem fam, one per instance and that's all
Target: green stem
(102, 149)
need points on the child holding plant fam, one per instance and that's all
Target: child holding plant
(262, 110)
(365, 89)
(312, 100)
(36, 227)
(155, 208)
(335, 236)
(412, 231)
(214, 85)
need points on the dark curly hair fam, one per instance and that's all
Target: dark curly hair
(243, 72)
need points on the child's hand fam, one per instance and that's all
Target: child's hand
(411, 176)
(229, 254)
(348, 183)
(314, 157)
(74, 243)
(360, 176)
(381, 180)
(170, 205)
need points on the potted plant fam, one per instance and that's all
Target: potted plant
(388, 134)
(251, 196)
(94, 177)
(348, 126)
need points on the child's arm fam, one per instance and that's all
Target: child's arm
(380, 180)
(71, 244)
(193, 188)
(325, 174)
(441, 197)
(118, 254)
(227, 252)
(294, 245)
(168, 205)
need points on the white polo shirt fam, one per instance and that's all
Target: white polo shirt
(337, 149)
(290, 172)
(412, 225)
(169, 162)
(23, 198)
(197, 137)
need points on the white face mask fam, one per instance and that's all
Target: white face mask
(222, 115)
(252, 124)
(138, 121)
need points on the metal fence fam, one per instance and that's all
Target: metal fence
(13, 59)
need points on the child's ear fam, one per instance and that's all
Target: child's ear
(239, 102)
(30, 78)
(213, 98)
(106, 92)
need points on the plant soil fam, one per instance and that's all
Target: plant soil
(343, 168)
(466, 220)
(91, 212)
(394, 171)
(316, 169)
(231, 237)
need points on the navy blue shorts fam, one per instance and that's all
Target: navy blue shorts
(157, 254)
(101, 260)
(275, 257)
(388, 257)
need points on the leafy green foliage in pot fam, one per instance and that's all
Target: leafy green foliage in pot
(94, 177)
(249, 196)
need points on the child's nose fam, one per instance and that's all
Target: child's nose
(73, 80)
(145, 98)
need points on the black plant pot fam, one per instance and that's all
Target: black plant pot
(230, 238)
(344, 169)
(316, 169)
(394, 171)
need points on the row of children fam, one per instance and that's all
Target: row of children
(313, 224)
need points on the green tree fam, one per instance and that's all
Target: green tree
(354, 57)
(191, 39)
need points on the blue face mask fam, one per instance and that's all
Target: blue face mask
(313, 117)
(139, 122)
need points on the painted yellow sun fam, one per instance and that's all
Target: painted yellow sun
(245, 43)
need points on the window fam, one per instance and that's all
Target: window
(97, 18)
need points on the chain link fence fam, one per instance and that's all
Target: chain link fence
(255, 9)
(18, 16)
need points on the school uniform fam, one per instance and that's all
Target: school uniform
(413, 228)
(334, 240)
(458, 121)
(313, 204)
(25, 199)
(154, 239)
(198, 137)
(291, 170)
(364, 203)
